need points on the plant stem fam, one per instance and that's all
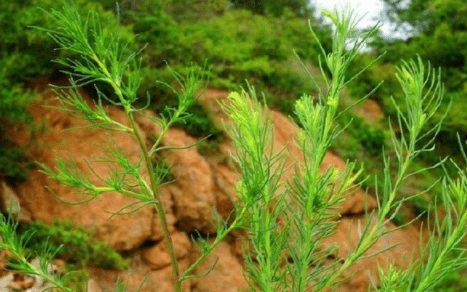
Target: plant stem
(158, 205)
(150, 168)
(219, 238)
(369, 240)
(32, 270)
(456, 234)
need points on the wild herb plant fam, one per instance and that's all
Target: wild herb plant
(303, 206)
(104, 57)
(285, 222)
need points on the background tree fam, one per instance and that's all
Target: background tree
(439, 29)
(299, 7)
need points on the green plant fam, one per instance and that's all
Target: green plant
(163, 168)
(291, 217)
(13, 160)
(14, 243)
(196, 121)
(73, 245)
(371, 137)
(199, 124)
(401, 218)
(304, 206)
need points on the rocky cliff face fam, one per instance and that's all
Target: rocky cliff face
(203, 183)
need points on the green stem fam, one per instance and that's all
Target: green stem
(158, 205)
(162, 134)
(151, 173)
(219, 239)
(456, 234)
(267, 244)
(370, 239)
(31, 270)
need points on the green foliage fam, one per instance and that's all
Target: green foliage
(455, 281)
(251, 46)
(372, 138)
(311, 199)
(235, 52)
(445, 144)
(157, 29)
(196, 120)
(193, 10)
(210, 147)
(103, 56)
(18, 261)
(74, 245)
(14, 163)
(370, 78)
(256, 49)
(299, 7)
(360, 141)
(291, 217)
(196, 123)
(199, 124)
(401, 218)
(425, 16)
(438, 33)
(163, 169)
(236, 44)
(25, 53)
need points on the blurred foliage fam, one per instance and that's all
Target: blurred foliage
(236, 44)
(77, 246)
(456, 281)
(193, 10)
(439, 35)
(438, 30)
(14, 163)
(276, 8)
(26, 52)
(371, 137)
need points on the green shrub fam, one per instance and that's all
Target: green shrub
(211, 146)
(199, 124)
(14, 163)
(74, 245)
(236, 44)
(372, 138)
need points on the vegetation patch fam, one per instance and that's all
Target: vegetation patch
(76, 246)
